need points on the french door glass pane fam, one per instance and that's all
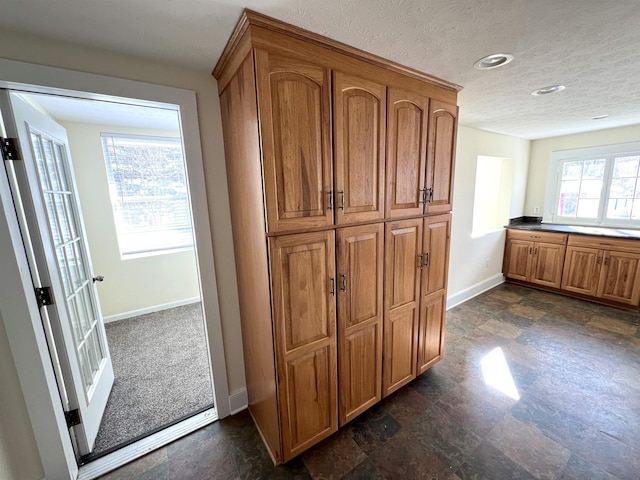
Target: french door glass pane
(70, 254)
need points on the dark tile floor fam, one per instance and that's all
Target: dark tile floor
(572, 411)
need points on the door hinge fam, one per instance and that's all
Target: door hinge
(44, 296)
(10, 149)
(73, 417)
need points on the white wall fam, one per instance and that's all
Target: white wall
(541, 152)
(43, 51)
(135, 283)
(468, 271)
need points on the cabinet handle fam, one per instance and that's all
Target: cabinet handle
(343, 285)
(330, 193)
(599, 260)
(333, 287)
(530, 251)
(535, 251)
(430, 195)
(419, 260)
(426, 259)
(423, 196)
(341, 193)
(606, 260)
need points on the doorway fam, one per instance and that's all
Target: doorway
(142, 313)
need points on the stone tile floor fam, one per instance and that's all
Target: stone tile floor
(571, 412)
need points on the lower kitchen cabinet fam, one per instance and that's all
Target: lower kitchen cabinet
(535, 257)
(599, 268)
(603, 268)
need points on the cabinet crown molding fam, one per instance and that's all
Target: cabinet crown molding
(251, 19)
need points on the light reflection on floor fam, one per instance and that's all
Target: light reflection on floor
(497, 374)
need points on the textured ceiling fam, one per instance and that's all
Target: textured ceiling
(591, 46)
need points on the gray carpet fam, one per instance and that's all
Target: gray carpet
(161, 372)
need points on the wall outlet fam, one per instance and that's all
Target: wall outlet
(536, 209)
(486, 262)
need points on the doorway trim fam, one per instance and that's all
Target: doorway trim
(20, 312)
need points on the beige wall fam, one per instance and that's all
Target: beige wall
(18, 455)
(467, 265)
(49, 52)
(135, 283)
(541, 152)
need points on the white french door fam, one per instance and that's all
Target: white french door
(60, 260)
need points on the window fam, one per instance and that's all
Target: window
(492, 198)
(595, 186)
(149, 195)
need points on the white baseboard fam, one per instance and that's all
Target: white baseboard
(238, 401)
(153, 309)
(474, 290)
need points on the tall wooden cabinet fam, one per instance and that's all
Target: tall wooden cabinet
(339, 167)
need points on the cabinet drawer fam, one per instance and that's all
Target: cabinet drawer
(535, 236)
(605, 243)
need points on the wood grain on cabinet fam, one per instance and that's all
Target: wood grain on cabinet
(518, 259)
(431, 330)
(620, 277)
(407, 116)
(359, 122)
(581, 270)
(304, 306)
(547, 264)
(294, 103)
(360, 313)
(441, 156)
(403, 243)
(535, 257)
(242, 154)
(434, 269)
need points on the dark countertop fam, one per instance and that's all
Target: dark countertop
(575, 229)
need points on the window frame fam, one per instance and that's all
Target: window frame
(139, 253)
(554, 182)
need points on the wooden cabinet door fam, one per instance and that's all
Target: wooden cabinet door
(620, 277)
(435, 254)
(304, 309)
(294, 105)
(434, 272)
(359, 118)
(518, 259)
(546, 267)
(581, 270)
(431, 330)
(360, 312)
(407, 116)
(442, 146)
(403, 242)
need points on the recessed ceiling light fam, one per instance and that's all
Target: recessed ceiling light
(493, 61)
(548, 90)
(599, 117)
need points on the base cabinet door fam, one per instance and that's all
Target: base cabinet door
(546, 268)
(431, 330)
(620, 277)
(304, 306)
(403, 242)
(360, 312)
(581, 270)
(518, 259)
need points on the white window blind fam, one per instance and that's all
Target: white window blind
(149, 195)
